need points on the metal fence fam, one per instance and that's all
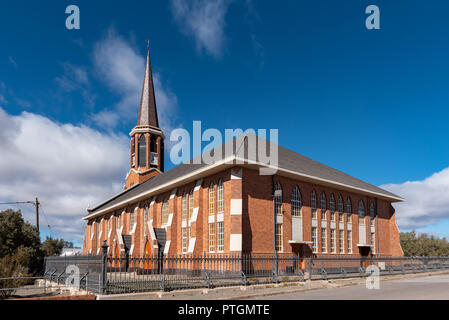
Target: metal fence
(106, 274)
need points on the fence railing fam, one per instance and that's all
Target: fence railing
(108, 274)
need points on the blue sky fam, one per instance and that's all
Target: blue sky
(372, 103)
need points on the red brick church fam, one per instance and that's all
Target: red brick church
(306, 208)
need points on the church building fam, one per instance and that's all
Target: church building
(306, 208)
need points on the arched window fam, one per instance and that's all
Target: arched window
(313, 204)
(142, 151)
(361, 211)
(340, 207)
(278, 199)
(190, 204)
(165, 212)
(332, 207)
(296, 202)
(220, 197)
(153, 144)
(323, 206)
(211, 199)
(348, 209)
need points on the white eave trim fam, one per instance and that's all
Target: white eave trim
(230, 161)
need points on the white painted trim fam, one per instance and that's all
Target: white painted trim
(99, 235)
(173, 193)
(191, 245)
(333, 225)
(235, 242)
(131, 250)
(314, 223)
(146, 130)
(230, 161)
(198, 185)
(119, 235)
(236, 207)
(167, 246)
(152, 201)
(109, 233)
(169, 221)
(184, 223)
(194, 215)
(349, 226)
(220, 217)
(323, 224)
(279, 218)
(211, 219)
(98, 250)
(236, 174)
(341, 225)
(134, 228)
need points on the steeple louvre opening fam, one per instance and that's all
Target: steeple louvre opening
(147, 139)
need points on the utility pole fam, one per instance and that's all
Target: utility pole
(36, 204)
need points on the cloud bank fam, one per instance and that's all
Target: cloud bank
(426, 201)
(66, 166)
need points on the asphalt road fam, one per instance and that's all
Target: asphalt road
(424, 288)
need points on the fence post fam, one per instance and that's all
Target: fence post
(104, 267)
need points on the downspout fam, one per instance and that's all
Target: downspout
(377, 231)
(274, 225)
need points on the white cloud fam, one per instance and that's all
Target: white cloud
(204, 20)
(426, 201)
(66, 166)
(122, 68)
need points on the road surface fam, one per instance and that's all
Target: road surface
(426, 288)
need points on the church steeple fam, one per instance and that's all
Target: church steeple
(147, 110)
(147, 139)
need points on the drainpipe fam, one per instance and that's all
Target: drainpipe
(274, 226)
(377, 231)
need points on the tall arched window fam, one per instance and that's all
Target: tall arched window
(211, 199)
(278, 199)
(165, 212)
(361, 211)
(323, 206)
(220, 197)
(296, 202)
(190, 204)
(332, 207)
(313, 204)
(371, 213)
(340, 207)
(142, 151)
(184, 207)
(348, 209)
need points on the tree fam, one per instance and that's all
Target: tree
(53, 247)
(423, 245)
(19, 239)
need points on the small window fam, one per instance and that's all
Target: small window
(220, 236)
(371, 214)
(333, 250)
(131, 219)
(191, 204)
(184, 239)
(323, 240)
(314, 240)
(279, 237)
(341, 240)
(211, 237)
(296, 202)
(153, 144)
(349, 239)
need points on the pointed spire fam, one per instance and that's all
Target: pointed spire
(147, 110)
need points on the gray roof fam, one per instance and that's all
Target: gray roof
(288, 160)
